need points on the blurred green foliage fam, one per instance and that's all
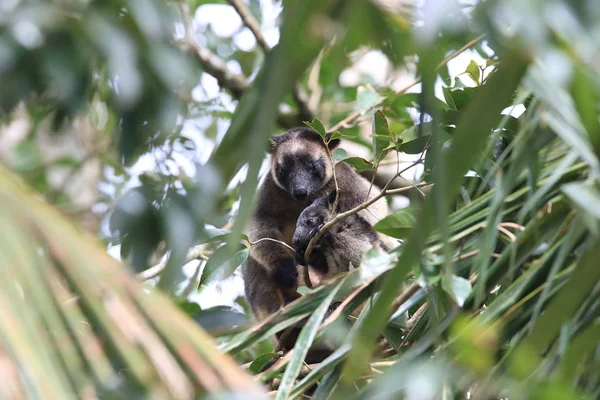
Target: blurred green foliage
(493, 290)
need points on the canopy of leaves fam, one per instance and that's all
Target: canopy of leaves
(491, 292)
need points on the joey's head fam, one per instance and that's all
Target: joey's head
(312, 218)
(299, 162)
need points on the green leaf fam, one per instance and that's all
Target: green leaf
(585, 95)
(459, 98)
(561, 116)
(327, 384)
(474, 71)
(338, 135)
(448, 97)
(213, 234)
(305, 340)
(222, 264)
(579, 348)
(260, 361)
(403, 100)
(180, 233)
(415, 139)
(367, 99)
(318, 126)
(221, 320)
(481, 115)
(458, 288)
(373, 26)
(586, 198)
(303, 290)
(564, 305)
(489, 62)
(359, 163)
(397, 224)
(190, 308)
(381, 137)
(339, 155)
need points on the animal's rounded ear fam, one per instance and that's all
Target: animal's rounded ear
(274, 141)
(332, 143)
(331, 198)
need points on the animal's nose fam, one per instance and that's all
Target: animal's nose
(296, 241)
(299, 194)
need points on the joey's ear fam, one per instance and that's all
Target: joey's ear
(331, 198)
(274, 141)
(332, 143)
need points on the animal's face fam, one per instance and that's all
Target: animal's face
(311, 219)
(300, 164)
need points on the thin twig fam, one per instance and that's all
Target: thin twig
(272, 240)
(194, 253)
(508, 233)
(409, 188)
(350, 119)
(405, 295)
(412, 321)
(513, 225)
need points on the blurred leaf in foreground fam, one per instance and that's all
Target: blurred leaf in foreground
(76, 323)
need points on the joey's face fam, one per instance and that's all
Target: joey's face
(309, 222)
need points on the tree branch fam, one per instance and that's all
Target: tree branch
(350, 119)
(213, 65)
(250, 22)
(301, 99)
(194, 253)
(236, 84)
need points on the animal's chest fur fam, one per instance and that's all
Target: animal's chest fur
(288, 232)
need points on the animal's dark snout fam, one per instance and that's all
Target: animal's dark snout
(299, 193)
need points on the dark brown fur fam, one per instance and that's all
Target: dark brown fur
(271, 268)
(344, 244)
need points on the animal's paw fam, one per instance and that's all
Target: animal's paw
(285, 273)
(300, 256)
(314, 231)
(328, 236)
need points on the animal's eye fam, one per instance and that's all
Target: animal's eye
(316, 167)
(310, 221)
